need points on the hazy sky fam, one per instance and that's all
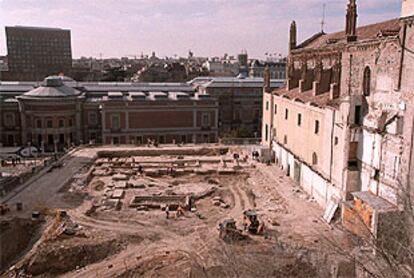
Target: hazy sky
(169, 27)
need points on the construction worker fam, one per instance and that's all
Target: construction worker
(180, 211)
(167, 211)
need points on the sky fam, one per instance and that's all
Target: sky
(116, 28)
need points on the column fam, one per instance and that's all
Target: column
(23, 130)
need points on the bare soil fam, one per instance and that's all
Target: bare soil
(16, 236)
(127, 242)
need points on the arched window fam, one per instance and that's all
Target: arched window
(314, 159)
(285, 140)
(367, 82)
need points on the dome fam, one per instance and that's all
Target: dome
(53, 86)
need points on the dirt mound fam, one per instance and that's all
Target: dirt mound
(296, 268)
(97, 185)
(167, 264)
(227, 264)
(261, 260)
(64, 256)
(16, 236)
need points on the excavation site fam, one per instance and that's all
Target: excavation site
(209, 211)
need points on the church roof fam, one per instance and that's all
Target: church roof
(321, 101)
(372, 31)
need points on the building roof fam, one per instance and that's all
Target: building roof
(53, 87)
(158, 95)
(374, 201)
(137, 94)
(225, 82)
(322, 100)
(152, 96)
(115, 94)
(135, 87)
(12, 87)
(372, 31)
(36, 28)
(179, 95)
(92, 89)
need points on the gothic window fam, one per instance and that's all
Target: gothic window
(299, 119)
(316, 127)
(358, 115)
(285, 140)
(314, 159)
(286, 114)
(367, 82)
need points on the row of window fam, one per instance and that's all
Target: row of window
(314, 155)
(299, 119)
(92, 120)
(49, 123)
(49, 139)
(116, 124)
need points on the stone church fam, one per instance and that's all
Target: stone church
(342, 127)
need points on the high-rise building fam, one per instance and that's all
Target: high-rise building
(35, 52)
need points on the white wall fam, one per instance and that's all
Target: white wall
(369, 149)
(311, 182)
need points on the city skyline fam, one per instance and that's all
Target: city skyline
(208, 28)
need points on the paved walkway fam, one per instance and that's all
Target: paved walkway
(42, 188)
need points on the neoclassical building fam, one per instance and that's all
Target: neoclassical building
(60, 112)
(51, 115)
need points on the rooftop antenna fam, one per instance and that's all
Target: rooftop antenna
(323, 17)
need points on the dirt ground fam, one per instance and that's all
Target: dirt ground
(107, 240)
